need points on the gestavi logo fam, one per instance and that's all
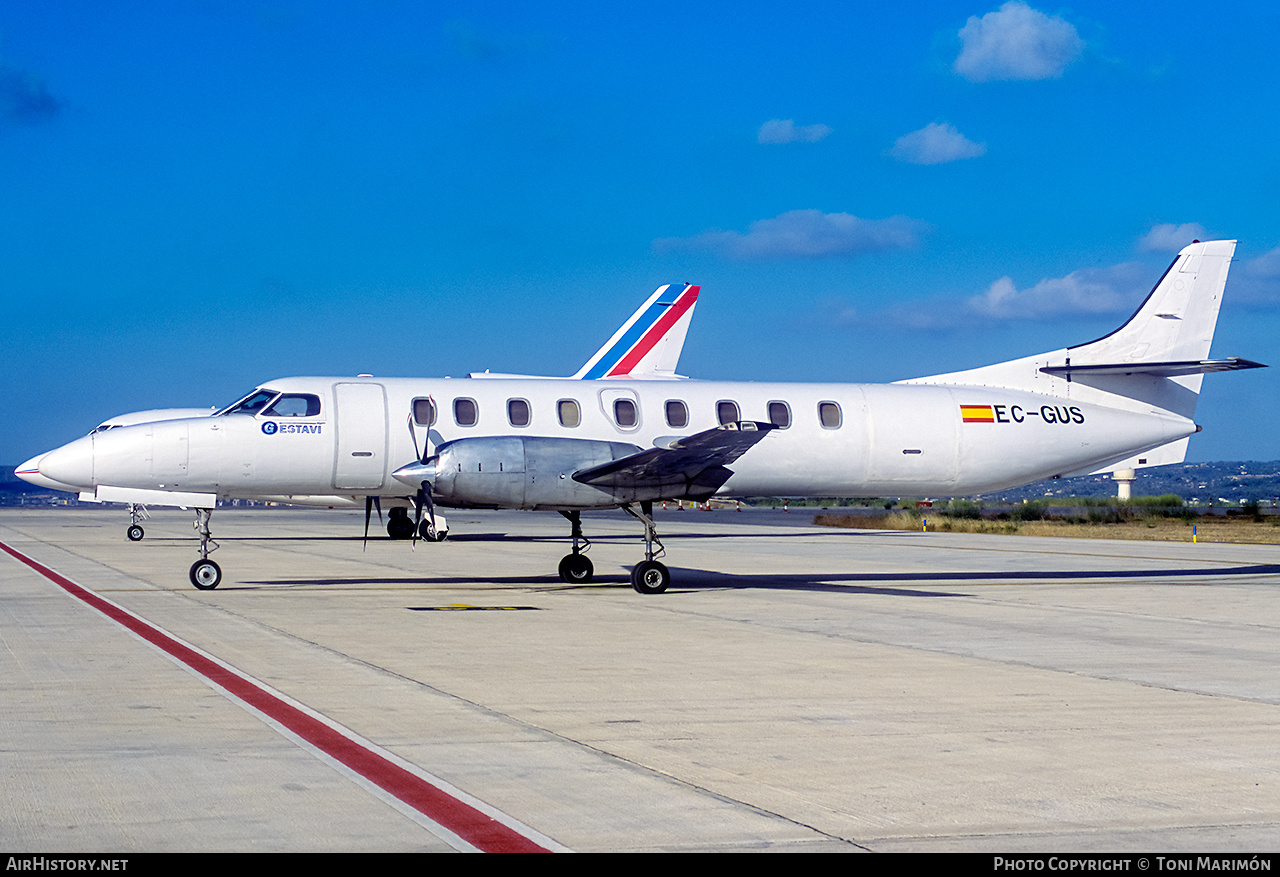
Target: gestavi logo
(269, 428)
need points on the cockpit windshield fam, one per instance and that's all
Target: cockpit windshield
(251, 404)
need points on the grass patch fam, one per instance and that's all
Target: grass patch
(1116, 524)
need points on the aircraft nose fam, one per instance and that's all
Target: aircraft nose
(70, 464)
(30, 472)
(29, 469)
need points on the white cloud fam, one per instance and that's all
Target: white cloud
(935, 143)
(802, 234)
(1016, 42)
(1087, 291)
(777, 131)
(1267, 265)
(1167, 237)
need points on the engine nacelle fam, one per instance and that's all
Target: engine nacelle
(523, 472)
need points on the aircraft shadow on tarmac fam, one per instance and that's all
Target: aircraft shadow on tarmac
(776, 532)
(688, 580)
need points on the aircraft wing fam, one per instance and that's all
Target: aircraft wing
(695, 465)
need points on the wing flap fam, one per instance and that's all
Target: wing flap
(697, 464)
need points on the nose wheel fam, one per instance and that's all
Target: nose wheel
(137, 512)
(205, 574)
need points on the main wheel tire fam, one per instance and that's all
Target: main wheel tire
(400, 527)
(135, 533)
(205, 574)
(428, 532)
(576, 569)
(650, 577)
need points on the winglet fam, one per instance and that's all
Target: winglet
(649, 344)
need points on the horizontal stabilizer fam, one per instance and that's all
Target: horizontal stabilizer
(696, 463)
(1162, 369)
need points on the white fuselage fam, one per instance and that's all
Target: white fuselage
(839, 439)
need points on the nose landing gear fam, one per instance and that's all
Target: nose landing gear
(205, 574)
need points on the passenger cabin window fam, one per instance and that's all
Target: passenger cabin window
(829, 415)
(424, 412)
(294, 405)
(465, 412)
(780, 414)
(677, 414)
(518, 412)
(568, 413)
(624, 413)
(727, 412)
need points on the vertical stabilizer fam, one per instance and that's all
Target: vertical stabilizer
(649, 344)
(1176, 322)
(1154, 362)
(1156, 358)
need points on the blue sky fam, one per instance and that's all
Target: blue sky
(198, 197)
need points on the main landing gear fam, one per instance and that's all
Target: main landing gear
(576, 568)
(648, 577)
(398, 524)
(205, 574)
(401, 526)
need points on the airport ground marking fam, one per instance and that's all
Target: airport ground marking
(462, 821)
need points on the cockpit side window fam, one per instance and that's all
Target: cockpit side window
(294, 405)
(251, 404)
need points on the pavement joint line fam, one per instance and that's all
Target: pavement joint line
(460, 820)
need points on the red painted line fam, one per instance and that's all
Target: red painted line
(475, 827)
(656, 332)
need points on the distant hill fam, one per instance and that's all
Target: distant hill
(1233, 482)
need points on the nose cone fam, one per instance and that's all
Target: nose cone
(70, 464)
(30, 472)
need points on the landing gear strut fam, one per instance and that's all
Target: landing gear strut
(649, 576)
(136, 513)
(576, 568)
(205, 574)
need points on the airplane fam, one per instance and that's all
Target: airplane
(646, 347)
(1124, 400)
(30, 470)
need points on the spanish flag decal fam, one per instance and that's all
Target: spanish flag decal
(977, 414)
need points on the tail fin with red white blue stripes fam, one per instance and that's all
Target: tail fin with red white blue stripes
(648, 345)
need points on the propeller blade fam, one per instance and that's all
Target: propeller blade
(417, 517)
(413, 433)
(370, 502)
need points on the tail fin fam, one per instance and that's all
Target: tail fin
(649, 343)
(1156, 358)
(1174, 326)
